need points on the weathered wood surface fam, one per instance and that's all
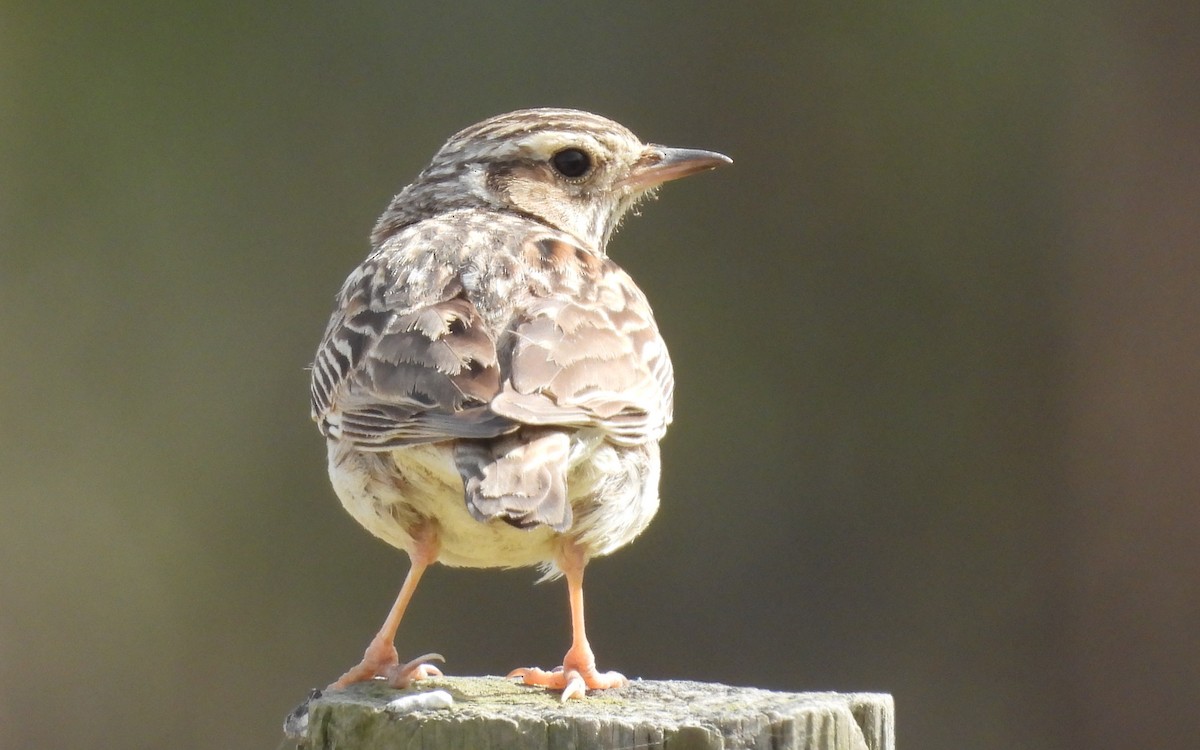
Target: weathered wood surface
(486, 713)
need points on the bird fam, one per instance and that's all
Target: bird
(491, 386)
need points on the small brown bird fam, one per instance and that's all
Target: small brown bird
(491, 386)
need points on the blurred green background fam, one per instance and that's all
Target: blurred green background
(936, 337)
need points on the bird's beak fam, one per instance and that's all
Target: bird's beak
(660, 164)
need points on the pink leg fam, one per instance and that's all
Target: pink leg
(381, 659)
(578, 673)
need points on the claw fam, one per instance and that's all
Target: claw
(420, 660)
(528, 673)
(403, 675)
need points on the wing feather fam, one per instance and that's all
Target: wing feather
(387, 376)
(587, 352)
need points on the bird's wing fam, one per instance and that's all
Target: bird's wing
(388, 375)
(585, 350)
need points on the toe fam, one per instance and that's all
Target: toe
(574, 683)
(539, 677)
(575, 689)
(606, 680)
(388, 667)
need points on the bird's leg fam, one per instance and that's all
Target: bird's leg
(381, 659)
(578, 673)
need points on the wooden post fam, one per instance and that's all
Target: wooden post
(490, 713)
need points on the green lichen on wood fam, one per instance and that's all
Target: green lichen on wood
(492, 712)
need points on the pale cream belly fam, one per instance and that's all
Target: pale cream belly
(389, 497)
(613, 493)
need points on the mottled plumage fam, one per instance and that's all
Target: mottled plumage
(491, 385)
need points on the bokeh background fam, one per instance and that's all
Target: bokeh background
(936, 335)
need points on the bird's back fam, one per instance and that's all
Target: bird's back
(525, 355)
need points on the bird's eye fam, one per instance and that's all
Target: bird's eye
(571, 162)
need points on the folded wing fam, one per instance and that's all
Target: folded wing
(586, 351)
(385, 377)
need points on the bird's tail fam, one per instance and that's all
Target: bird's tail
(519, 478)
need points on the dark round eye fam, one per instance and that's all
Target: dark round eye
(571, 162)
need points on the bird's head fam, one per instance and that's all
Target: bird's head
(572, 170)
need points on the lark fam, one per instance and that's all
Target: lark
(492, 387)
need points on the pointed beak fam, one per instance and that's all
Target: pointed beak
(660, 164)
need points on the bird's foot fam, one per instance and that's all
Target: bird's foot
(573, 680)
(381, 660)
